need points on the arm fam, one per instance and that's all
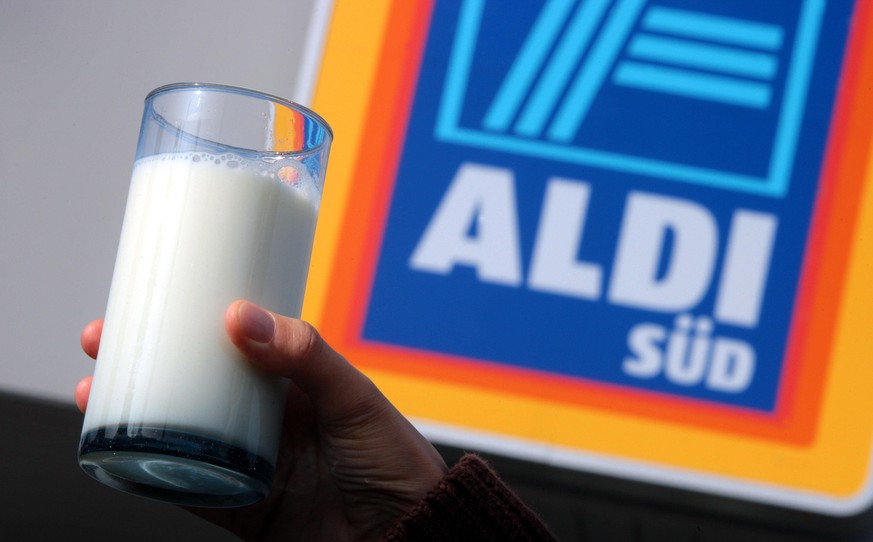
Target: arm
(470, 503)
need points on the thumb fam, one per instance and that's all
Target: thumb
(293, 349)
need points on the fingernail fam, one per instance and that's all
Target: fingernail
(256, 323)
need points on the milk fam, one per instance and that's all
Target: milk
(201, 231)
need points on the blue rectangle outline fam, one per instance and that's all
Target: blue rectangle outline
(775, 184)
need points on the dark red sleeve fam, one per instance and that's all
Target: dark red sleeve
(470, 503)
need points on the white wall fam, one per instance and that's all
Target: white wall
(73, 76)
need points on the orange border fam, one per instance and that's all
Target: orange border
(813, 325)
(832, 230)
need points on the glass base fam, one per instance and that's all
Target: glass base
(175, 466)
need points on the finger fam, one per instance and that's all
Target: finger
(293, 348)
(83, 390)
(343, 398)
(91, 338)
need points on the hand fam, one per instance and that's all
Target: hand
(349, 464)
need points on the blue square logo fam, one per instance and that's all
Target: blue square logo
(617, 192)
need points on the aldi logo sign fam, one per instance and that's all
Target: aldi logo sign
(619, 192)
(687, 95)
(641, 209)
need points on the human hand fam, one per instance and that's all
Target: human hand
(349, 463)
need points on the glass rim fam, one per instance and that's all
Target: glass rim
(302, 109)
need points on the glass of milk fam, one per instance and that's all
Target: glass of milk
(222, 205)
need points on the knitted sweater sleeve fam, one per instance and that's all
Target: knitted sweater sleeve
(470, 503)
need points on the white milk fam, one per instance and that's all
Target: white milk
(199, 232)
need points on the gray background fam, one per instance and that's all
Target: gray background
(73, 75)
